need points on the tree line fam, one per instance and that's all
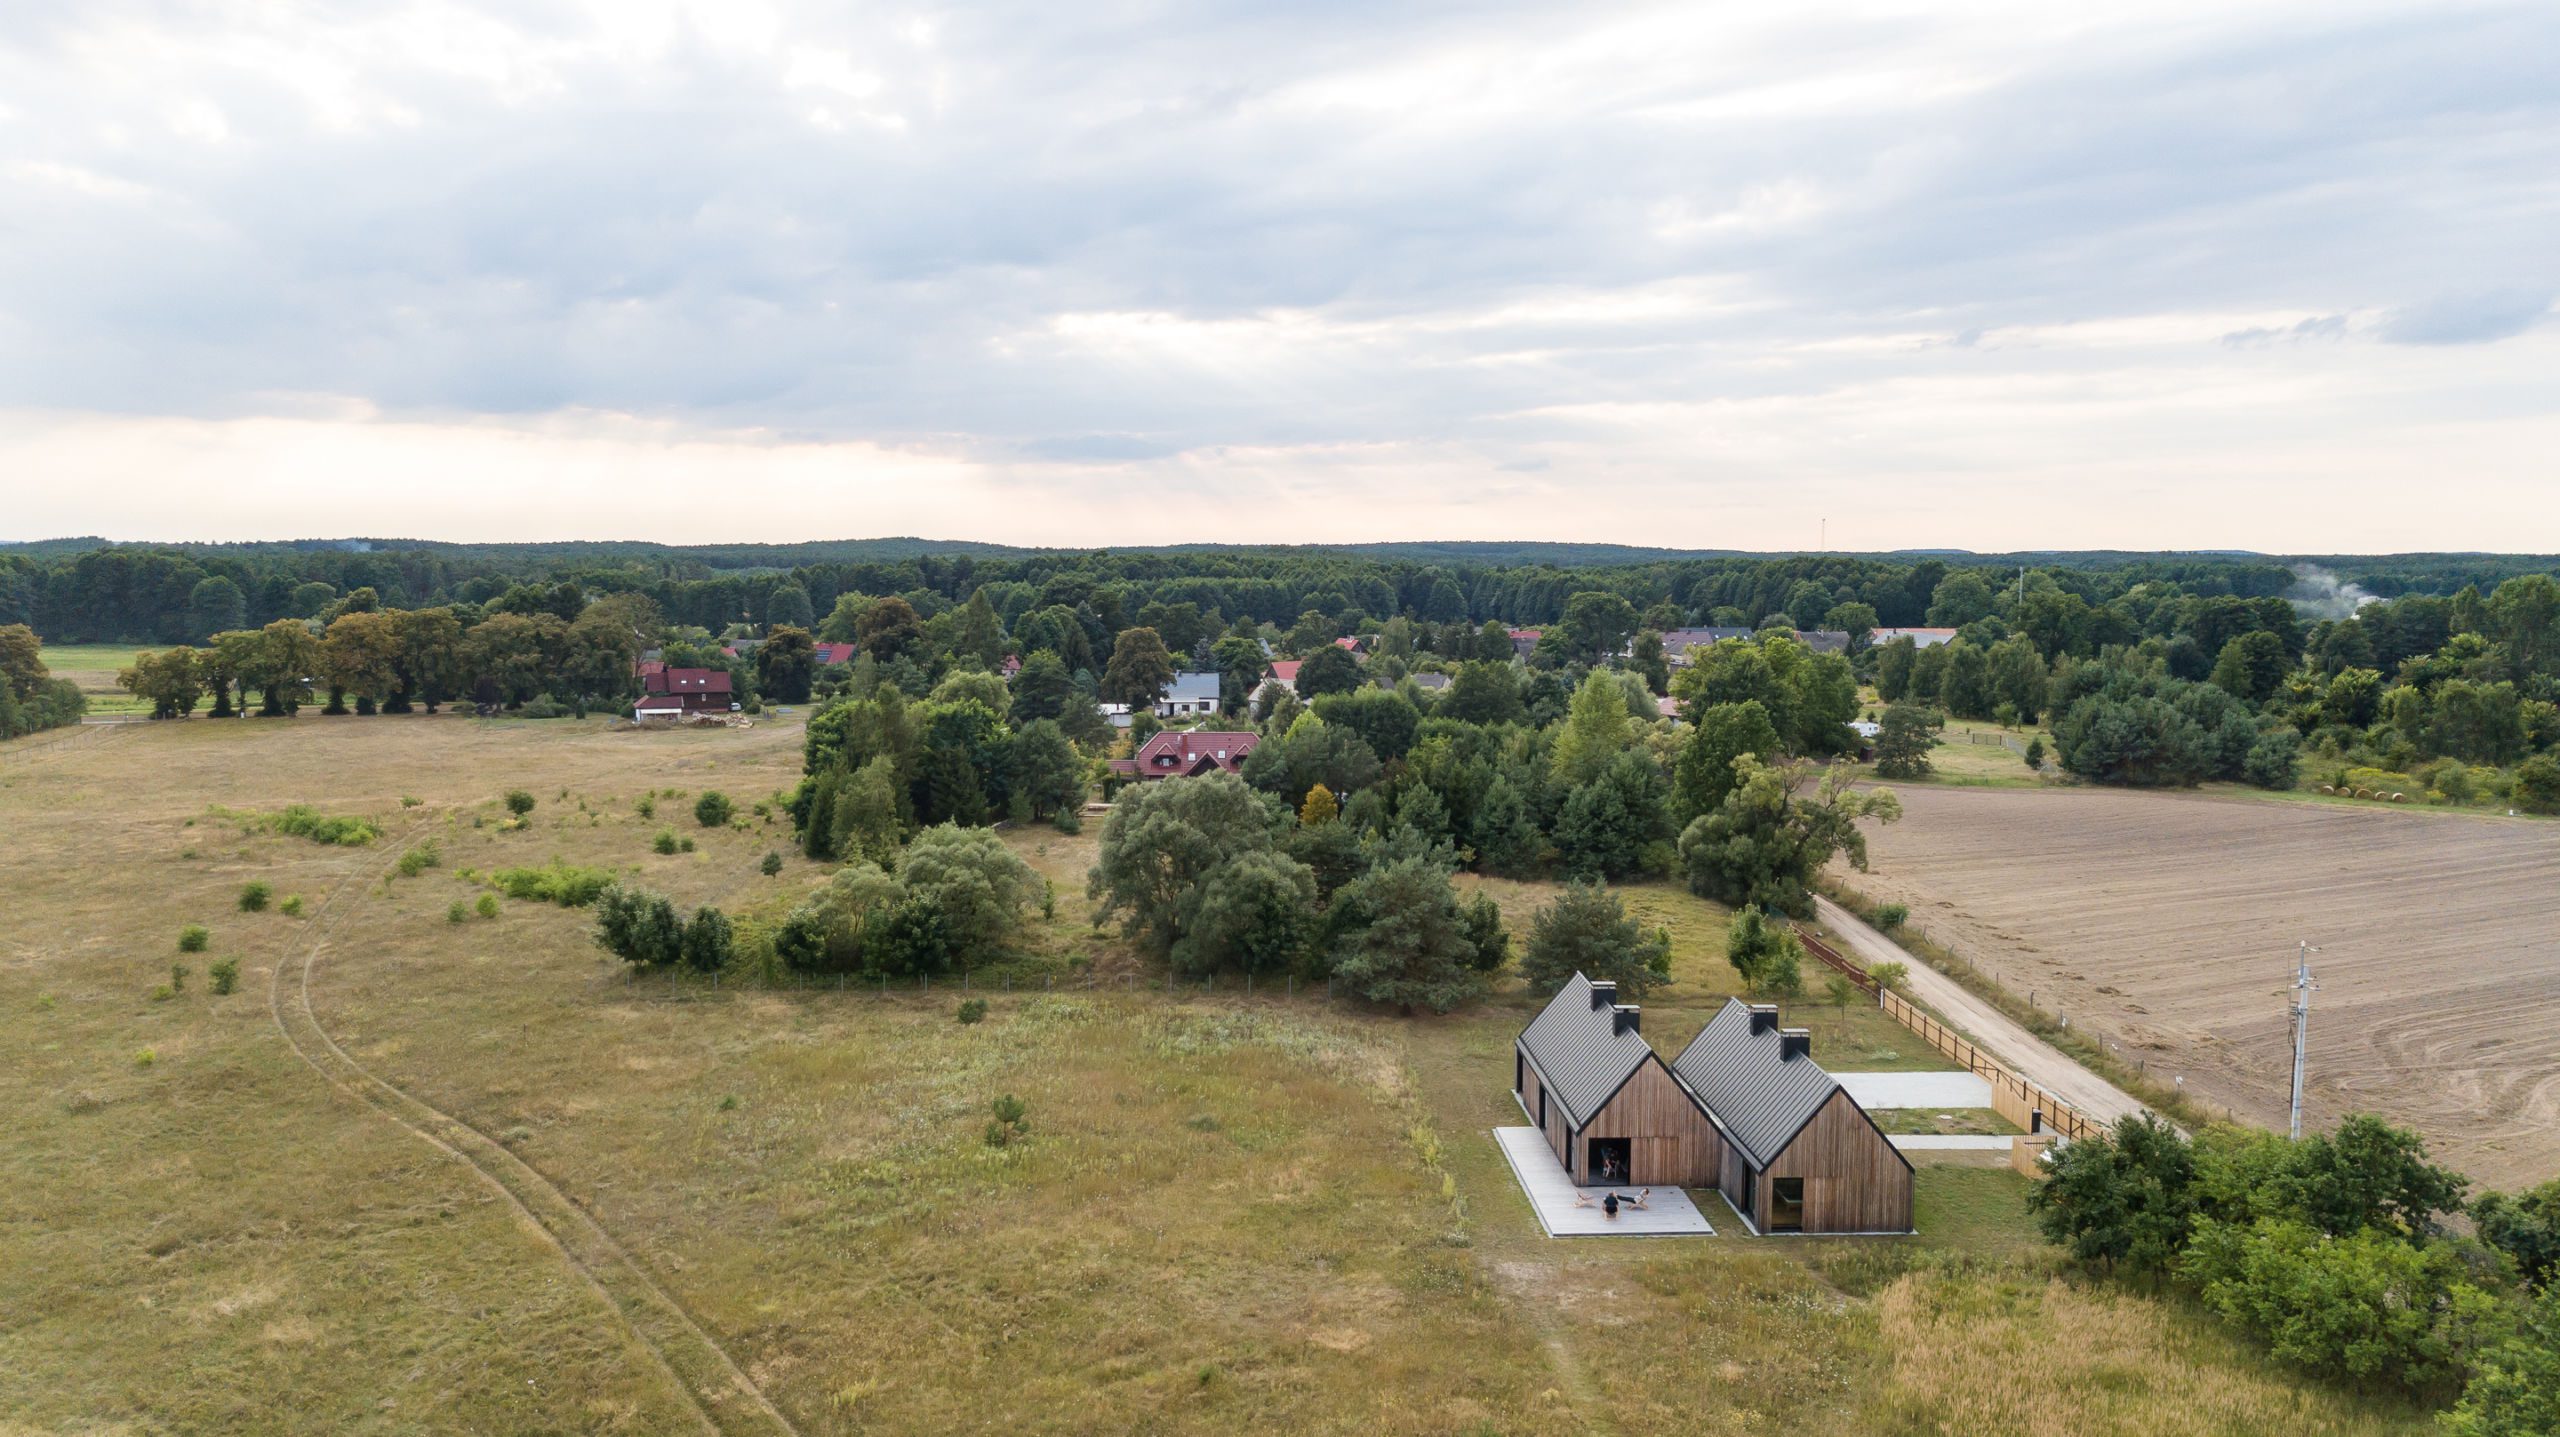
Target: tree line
(2180, 689)
(100, 593)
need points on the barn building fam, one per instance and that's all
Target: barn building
(1796, 1152)
(1603, 1099)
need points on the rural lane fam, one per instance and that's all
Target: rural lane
(2032, 1057)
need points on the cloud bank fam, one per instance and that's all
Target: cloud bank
(2003, 274)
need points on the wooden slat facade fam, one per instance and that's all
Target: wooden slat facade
(1551, 1122)
(1854, 1180)
(1670, 1142)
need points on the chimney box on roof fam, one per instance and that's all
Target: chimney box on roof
(1624, 1018)
(1603, 995)
(1794, 1043)
(1764, 1016)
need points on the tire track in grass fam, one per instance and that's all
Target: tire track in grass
(721, 1394)
(82, 735)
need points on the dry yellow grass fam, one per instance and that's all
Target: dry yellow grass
(2056, 1359)
(1231, 1215)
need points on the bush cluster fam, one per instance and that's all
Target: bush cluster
(555, 882)
(957, 897)
(2334, 1251)
(301, 820)
(642, 928)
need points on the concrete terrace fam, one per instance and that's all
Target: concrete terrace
(1551, 1193)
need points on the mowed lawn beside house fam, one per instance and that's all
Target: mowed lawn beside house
(1229, 1213)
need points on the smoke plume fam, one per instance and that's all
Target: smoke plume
(2318, 593)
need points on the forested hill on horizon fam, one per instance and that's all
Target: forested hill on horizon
(1495, 553)
(87, 591)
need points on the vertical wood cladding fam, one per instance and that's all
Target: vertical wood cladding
(1669, 1142)
(1854, 1181)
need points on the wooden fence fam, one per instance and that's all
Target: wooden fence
(2012, 1097)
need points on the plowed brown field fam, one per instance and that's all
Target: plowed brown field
(2167, 923)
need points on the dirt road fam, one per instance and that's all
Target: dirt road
(2032, 1057)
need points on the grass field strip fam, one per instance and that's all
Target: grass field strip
(720, 1392)
(57, 741)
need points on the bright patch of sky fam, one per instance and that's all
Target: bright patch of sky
(1986, 275)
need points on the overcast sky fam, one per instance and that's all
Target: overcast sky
(2276, 276)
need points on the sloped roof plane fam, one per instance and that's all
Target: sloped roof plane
(1582, 1055)
(1760, 1097)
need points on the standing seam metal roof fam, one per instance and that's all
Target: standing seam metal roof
(1762, 1100)
(1581, 1056)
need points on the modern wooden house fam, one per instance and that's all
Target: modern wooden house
(1604, 1100)
(1796, 1152)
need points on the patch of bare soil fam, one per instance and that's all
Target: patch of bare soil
(2166, 924)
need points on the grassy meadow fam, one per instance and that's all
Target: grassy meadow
(1229, 1213)
(93, 668)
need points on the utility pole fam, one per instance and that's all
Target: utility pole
(2302, 990)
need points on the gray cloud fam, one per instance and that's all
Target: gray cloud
(1127, 233)
(2322, 327)
(2478, 318)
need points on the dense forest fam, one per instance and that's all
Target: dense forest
(2147, 669)
(88, 591)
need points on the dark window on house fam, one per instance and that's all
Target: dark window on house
(1542, 1107)
(1786, 1205)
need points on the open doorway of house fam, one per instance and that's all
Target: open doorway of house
(1610, 1159)
(1786, 1204)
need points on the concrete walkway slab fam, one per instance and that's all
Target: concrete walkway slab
(1917, 1090)
(1551, 1193)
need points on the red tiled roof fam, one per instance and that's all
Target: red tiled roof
(1286, 671)
(687, 681)
(1175, 754)
(828, 653)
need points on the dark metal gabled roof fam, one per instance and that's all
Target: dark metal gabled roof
(1581, 1056)
(1760, 1097)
